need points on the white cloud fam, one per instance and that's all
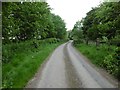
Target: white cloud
(72, 10)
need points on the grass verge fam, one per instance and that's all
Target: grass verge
(24, 65)
(95, 55)
(104, 56)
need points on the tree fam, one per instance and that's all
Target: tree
(59, 26)
(30, 20)
(102, 21)
(77, 32)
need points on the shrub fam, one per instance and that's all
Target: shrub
(111, 64)
(77, 41)
(10, 50)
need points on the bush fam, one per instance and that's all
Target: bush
(108, 59)
(115, 42)
(77, 41)
(10, 50)
(111, 65)
(52, 40)
(23, 59)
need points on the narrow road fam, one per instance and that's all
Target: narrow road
(66, 68)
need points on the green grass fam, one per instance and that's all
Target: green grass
(104, 56)
(24, 65)
(96, 56)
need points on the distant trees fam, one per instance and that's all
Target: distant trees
(30, 20)
(101, 21)
(77, 32)
(59, 26)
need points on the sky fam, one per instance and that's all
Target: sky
(72, 10)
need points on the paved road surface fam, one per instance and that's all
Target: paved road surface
(66, 68)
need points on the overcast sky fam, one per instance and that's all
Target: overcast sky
(72, 10)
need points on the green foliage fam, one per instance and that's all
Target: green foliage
(115, 41)
(92, 53)
(9, 51)
(93, 33)
(23, 59)
(29, 33)
(75, 42)
(103, 57)
(102, 21)
(112, 63)
(77, 32)
(28, 20)
(59, 27)
(101, 25)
